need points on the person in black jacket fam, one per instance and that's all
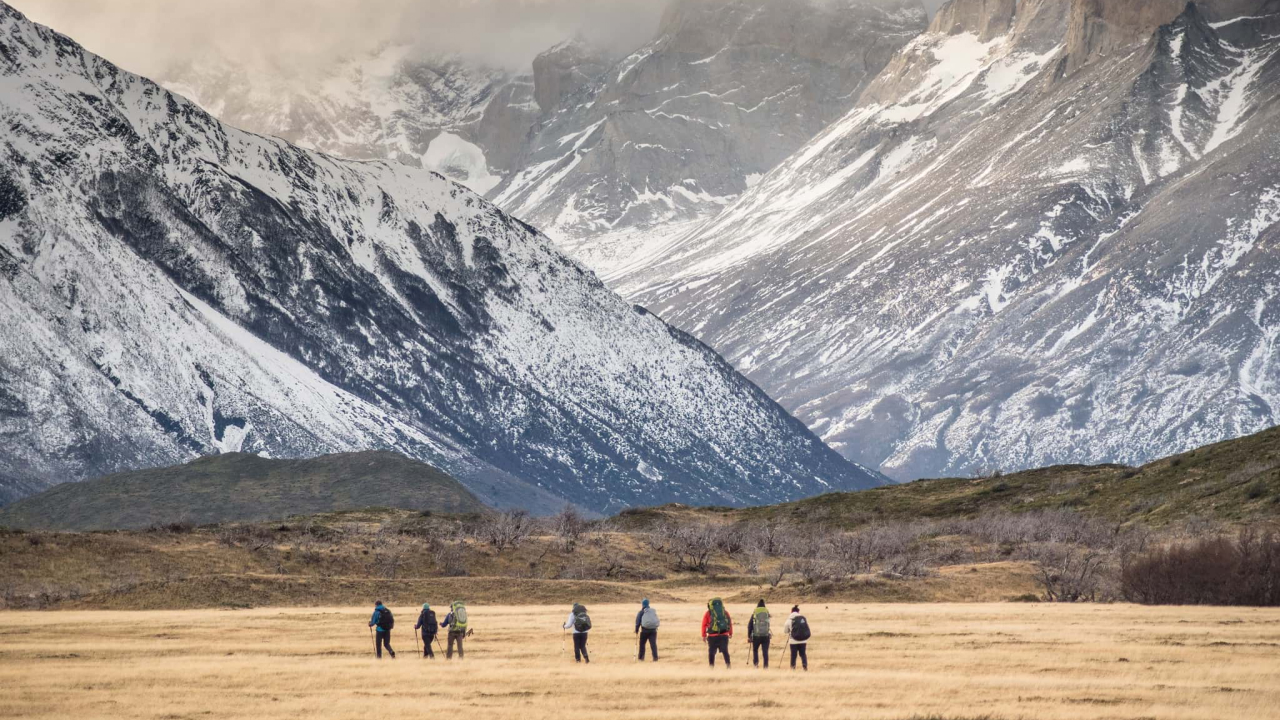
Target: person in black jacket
(647, 634)
(427, 623)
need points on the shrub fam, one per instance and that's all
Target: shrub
(1244, 570)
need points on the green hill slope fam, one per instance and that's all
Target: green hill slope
(1232, 482)
(237, 487)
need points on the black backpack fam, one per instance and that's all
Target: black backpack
(386, 620)
(429, 623)
(799, 628)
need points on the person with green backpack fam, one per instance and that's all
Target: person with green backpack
(456, 621)
(717, 630)
(580, 622)
(758, 633)
(797, 631)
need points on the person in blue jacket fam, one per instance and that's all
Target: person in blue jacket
(382, 622)
(427, 623)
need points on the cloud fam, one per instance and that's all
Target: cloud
(149, 36)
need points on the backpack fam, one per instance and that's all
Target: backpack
(760, 623)
(719, 618)
(386, 620)
(430, 625)
(649, 619)
(799, 628)
(581, 620)
(459, 617)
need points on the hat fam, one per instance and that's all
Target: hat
(761, 603)
(644, 602)
(426, 606)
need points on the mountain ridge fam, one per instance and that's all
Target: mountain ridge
(176, 287)
(1099, 288)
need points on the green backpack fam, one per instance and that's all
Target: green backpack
(581, 620)
(719, 618)
(760, 623)
(459, 617)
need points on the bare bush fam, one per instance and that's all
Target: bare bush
(1244, 570)
(690, 545)
(450, 559)
(506, 529)
(568, 526)
(1069, 573)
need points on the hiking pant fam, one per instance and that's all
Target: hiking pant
(580, 647)
(426, 645)
(799, 650)
(381, 638)
(758, 644)
(455, 637)
(651, 637)
(720, 643)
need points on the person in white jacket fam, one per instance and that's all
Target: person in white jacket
(580, 623)
(790, 630)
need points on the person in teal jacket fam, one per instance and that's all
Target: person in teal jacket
(382, 621)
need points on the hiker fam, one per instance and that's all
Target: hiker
(717, 629)
(647, 627)
(580, 622)
(797, 631)
(758, 634)
(427, 623)
(456, 621)
(382, 622)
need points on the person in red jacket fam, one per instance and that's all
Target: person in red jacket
(717, 629)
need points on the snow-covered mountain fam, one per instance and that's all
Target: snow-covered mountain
(679, 128)
(172, 287)
(1047, 233)
(393, 104)
(611, 156)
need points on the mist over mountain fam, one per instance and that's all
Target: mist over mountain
(172, 287)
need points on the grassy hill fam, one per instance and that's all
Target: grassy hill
(242, 487)
(1232, 482)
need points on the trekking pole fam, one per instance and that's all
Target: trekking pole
(415, 643)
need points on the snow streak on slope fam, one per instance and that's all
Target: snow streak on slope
(1024, 246)
(173, 287)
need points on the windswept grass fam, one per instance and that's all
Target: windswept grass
(880, 662)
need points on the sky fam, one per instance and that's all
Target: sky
(150, 36)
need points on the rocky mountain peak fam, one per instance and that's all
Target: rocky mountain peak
(985, 18)
(567, 68)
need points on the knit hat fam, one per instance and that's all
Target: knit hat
(426, 606)
(644, 603)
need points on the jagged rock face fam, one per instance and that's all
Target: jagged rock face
(389, 105)
(564, 71)
(676, 130)
(1013, 254)
(173, 287)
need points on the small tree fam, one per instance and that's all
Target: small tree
(568, 526)
(507, 529)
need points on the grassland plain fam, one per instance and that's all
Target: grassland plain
(1000, 661)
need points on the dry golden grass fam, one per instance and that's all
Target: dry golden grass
(868, 661)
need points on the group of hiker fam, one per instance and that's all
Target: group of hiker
(454, 623)
(717, 631)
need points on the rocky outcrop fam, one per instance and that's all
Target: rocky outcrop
(566, 70)
(676, 130)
